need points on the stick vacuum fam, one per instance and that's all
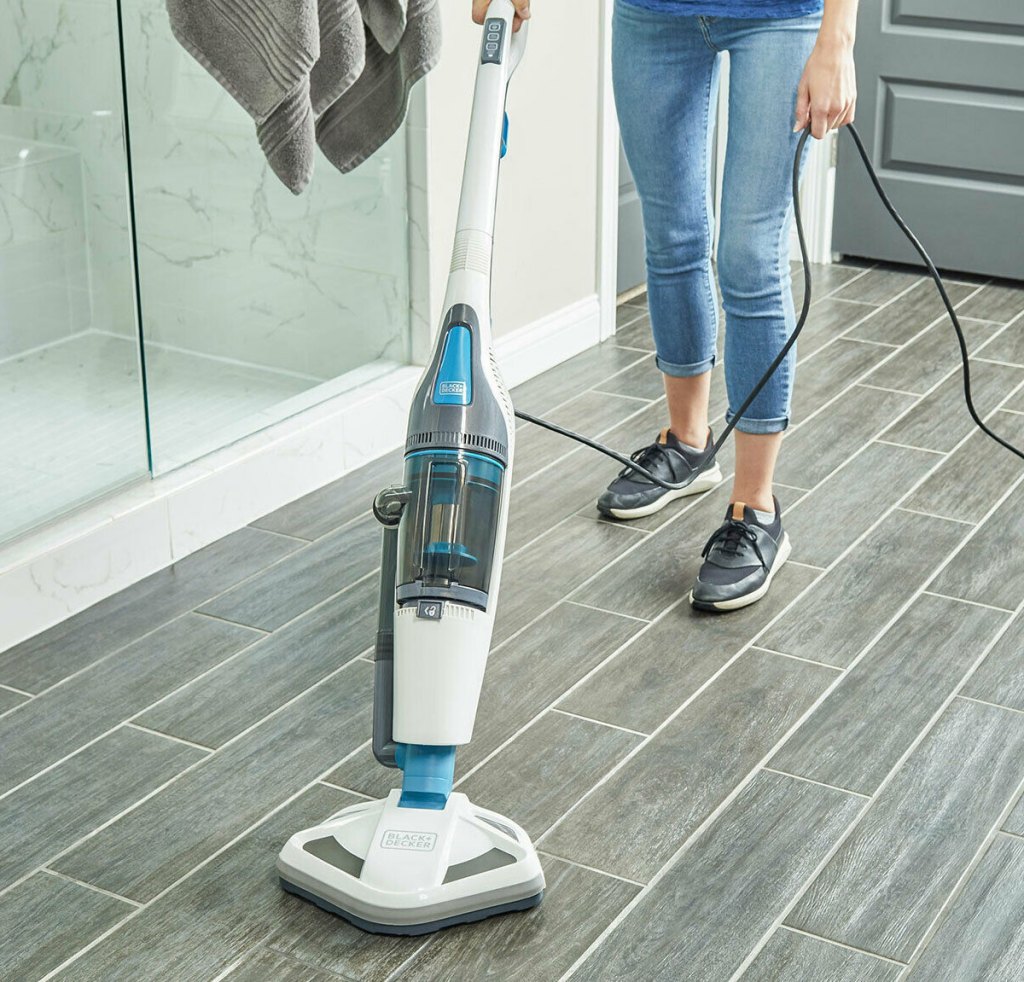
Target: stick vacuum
(426, 857)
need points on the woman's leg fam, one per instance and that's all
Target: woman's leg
(665, 78)
(766, 58)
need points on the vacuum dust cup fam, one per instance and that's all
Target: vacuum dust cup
(426, 857)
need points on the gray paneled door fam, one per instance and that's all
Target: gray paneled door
(631, 271)
(941, 109)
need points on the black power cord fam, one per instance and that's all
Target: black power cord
(801, 320)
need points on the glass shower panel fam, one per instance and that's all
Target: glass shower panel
(70, 392)
(255, 303)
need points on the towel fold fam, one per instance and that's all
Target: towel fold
(333, 72)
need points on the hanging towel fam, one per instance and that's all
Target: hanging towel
(333, 72)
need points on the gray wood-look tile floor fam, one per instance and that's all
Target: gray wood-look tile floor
(824, 786)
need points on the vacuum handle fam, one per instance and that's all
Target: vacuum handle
(505, 10)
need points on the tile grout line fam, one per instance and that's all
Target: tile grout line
(842, 944)
(810, 780)
(993, 705)
(225, 620)
(597, 390)
(605, 610)
(167, 736)
(20, 692)
(879, 344)
(907, 446)
(592, 869)
(598, 722)
(972, 603)
(88, 886)
(339, 787)
(806, 661)
(928, 514)
(736, 791)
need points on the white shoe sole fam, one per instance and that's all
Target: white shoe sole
(752, 598)
(703, 482)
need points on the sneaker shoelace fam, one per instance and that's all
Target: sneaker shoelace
(646, 457)
(731, 538)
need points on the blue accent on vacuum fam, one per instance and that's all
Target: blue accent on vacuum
(427, 776)
(454, 384)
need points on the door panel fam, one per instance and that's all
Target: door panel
(941, 110)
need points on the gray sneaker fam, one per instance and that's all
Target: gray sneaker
(740, 560)
(631, 495)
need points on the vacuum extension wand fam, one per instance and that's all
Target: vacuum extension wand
(633, 465)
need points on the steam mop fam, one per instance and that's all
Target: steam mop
(426, 857)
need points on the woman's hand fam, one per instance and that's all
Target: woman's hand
(827, 95)
(522, 11)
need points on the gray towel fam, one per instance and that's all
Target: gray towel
(333, 72)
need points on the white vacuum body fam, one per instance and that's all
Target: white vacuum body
(426, 857)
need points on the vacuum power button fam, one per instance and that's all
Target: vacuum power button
(493, 44)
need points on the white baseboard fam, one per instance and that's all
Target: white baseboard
(547, 342)
(84, 557)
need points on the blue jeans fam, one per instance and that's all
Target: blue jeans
(665, 75)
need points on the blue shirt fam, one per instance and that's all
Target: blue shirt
(732, 8)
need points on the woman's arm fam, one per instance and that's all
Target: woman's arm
(827, 96)
(522, 11)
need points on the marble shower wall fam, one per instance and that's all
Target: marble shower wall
(231, 264)
(64, 244)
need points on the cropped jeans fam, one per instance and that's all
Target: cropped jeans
(665, 75)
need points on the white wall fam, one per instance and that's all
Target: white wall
(546, 238)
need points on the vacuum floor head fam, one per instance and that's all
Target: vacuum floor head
(394, 870)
